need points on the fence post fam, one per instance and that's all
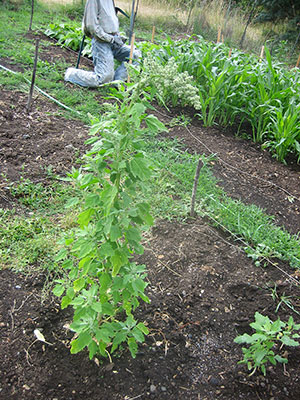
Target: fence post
(153, 33)
(262, 53)
(199, 166)
(33, 75)
(131, 53)
(31, 16)
(219, 34)
(298, 62)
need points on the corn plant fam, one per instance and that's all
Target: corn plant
(103, 284)
(239, 89)
(284, 130)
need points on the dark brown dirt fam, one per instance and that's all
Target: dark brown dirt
(204, 291)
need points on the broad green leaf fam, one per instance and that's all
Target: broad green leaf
(138, 335)
(133, 235)
(70, 292)
(79, 284)
(245, 338)
(87, 265)
(83, 340)
(143, 328)
(105, 281)
(106, 250)
(108, 196)
(144, 213)
(78, 326)
(117, 283)
(92, 200)
(288, 341)
(87, 180)
(118, 339)
(261, 319)
(66, 300)
(85, 217)
(281, 359)
(140, 169)
(154, 124)
(58, 290)
(119, 259)
(138, 285)
(97, 307)
(102, 348)
(137, 110)
(83, 262)
(272, 360)
(107, 309)
(105, 333)
(276, 326)
(259, 355)
(132, 346)
(93, 348)
(78, 301)
(144, 297)
(115, 233)
(85, 249)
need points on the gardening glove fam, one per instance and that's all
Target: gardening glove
(118, 42)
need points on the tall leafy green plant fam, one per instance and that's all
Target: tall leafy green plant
(103, 284)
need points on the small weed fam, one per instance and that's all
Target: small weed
(282, 300)
(268, 336)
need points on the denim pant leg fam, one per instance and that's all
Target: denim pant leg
(122, 54)
(103, 60)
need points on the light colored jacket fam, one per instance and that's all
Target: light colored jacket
(100, 20)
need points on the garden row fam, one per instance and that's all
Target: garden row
(230, 88)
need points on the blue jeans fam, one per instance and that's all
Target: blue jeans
(103, 58)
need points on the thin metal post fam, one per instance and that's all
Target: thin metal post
(33, 75)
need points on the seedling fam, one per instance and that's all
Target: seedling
(269, 338)
(283, 300)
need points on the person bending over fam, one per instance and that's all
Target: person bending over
(100, 22)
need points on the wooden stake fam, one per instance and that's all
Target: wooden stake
(298, 62)
(230, 51)
(262, 53)
(153, 33)
(219, 35)
(33, 75)
(196, 181)
(131, 53)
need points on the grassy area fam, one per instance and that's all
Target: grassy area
(29, 239)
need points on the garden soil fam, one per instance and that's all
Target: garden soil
(204, 291)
